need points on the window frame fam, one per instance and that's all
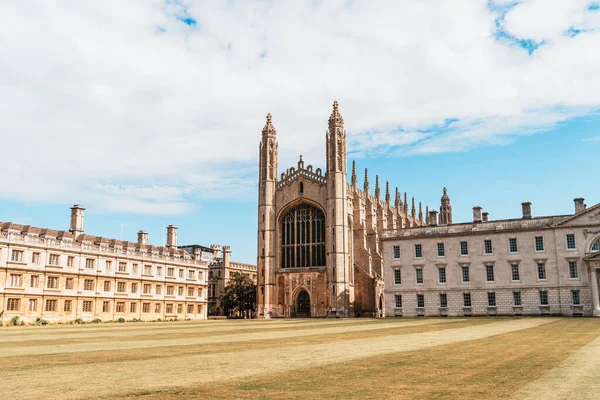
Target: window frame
(487, 273)
(441, 249)
(396, 252)
(420, 300)
(572, 276)
(513, 241)
(485, 247)
(514, 266)
(442, 273)
(466, 248)
(418, 250)
(467, 296)
(543, 242)
(421, 275)
(444, 303)
(397, 276)
(491, 296)
(517, 295)
(567, 236)
(543, 265)
(464, 268)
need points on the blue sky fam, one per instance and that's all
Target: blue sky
(149, 113)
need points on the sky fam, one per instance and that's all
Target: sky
(149, 112)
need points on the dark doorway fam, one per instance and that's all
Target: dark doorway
(303, 304)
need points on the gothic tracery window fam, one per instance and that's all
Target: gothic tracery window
(303, 237)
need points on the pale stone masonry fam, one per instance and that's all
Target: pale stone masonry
(61, 276)
(525, 266)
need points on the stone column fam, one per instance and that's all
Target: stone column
(595, 300)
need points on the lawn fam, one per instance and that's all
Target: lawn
(535, 358)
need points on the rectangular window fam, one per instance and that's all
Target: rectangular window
(68, 305)
(397, 277)
(54, 259)
(147, 288)
(120, 307)
(108, 266)
(515, 273)
(88, 284)
(51, 305)
(191, 274)
(464, 249)
(539, 243)
(418, 251)
(35, 258)
(441, 251)
(158, 289)
(420, 301)
(70, 261)
(134, 288)
(442, 274)
(467, 299)
(32, 305)
(87, 306)
(541, 271)
(190, 309)
(489, 273)
(158, 271)
(17, 256)
(122, 266)
(543, 298)
(573, 270)
(105, 306)
(69, 283)
(134, 268)
(512, 245)
(575, 297)
(181, 273)
(52, 282)
(133, 307)
(396, 252)
(89, 263)
(13, 304)
(107, 286)
(199, 308)
(169, 290)
(571, 241)
(179, 308)
(190, 292)
(157, 308)
(443, 300)
(171, 272)
(145, 307)
(169, 308)
(147, 269)
(35, 281)
(15, 280)
(121, 287)
(465, 274)
(516, 298)
(487, 246)
(419, 272)
(492, 299)
(180, 291)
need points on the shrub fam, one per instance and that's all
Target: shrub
(14, 321)
(96, 321)
(121, 320)
(39, 321)
(79, 321)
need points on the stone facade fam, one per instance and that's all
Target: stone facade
(504, 267)
(319, 237)
(61, 276)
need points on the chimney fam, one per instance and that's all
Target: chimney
(526, 209)
(216, 248)
(485, 216)
(579, 205)
(433, 218)
(77, 220)
(142, 237)
(477, 214)
(171, 236)
(226, 256)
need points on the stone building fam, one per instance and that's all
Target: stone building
(319, 237)
(525, 266)
(62, 276)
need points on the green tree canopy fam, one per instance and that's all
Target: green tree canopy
(239, 295)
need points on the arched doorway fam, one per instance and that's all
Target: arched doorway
(380, 309)
(303, 304)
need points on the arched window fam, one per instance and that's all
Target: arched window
(303, 237)
(301, 187)
(596, 245)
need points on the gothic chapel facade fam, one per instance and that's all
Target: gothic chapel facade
(319, 237)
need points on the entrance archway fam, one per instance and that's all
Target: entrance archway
(303, 304)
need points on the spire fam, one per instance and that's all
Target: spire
(387, 192)
(354, 180)
(445, 209)
(336, 118)
(269, 129)
(377, 190)
(427, 215)
(397, 201)
(413, 210)
(405, 204)
(366, 188)
(420, 213)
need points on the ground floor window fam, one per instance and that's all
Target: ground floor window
(146, 307)
(87, 306)
(120, 308)
(467, 299)
(51, 305)
(517, 298)
(13, 304)
(492, 299)
(543, 298)
(67, 306)
(443, 300)
(575, 297)
(32, 305)
(398, 301)
(105, 306)
(133, 307)
(420, 301)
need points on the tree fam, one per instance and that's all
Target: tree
(239, 295)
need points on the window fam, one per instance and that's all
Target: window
(301, 187)
(418, 251)
(512, 245)
(147, 269)
(539, 243)
(70, 261)
(573, 270)
(443, 300)
(180, 291)
(120, 307)
(68, 305)
(190, 309)
(397, 277)
(516, 298)
(157, 308)
(464, 249)
(13, 304)
(191, 274)
(87, 306)
(121, 287)
(69, 283)
(35, 258)
(595, 246)
(199, 308)
(489, 273)
(122, 266)
(303, 237)
(158, 289)
(158, 271)
(515, 273)
(210, 274)
(467, 299)
(442, 274)
(147, 288)
(105, 306)
(88, 284)
(541, 271)
(17, 256)
(575, 297)
(134, 268)
(419, 273)
(181, 273)
(108, 266)
(491, 299)
(465, 274)
(133, 307)
(89, 263)
(169, 308)
(134, 288)
(487, 246)
(35, 281)
(145, 307)
(190, 292)
(543, 298)
(32, 305)
(54, 259)
(571, 241)
(171, 272)
(52, 282)
(169, 290)
(51, 305)
(420, 301)
(107, 286)
(396, 252)
(15, 280)
(179, 308)
(440, 250)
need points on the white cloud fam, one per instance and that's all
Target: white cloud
(123, 106)
(593, 139)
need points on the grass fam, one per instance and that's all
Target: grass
(371, 359)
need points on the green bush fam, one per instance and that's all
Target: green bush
(96, 321)
(14, 321)
(121, 320)
(79, 321)
(39, 321)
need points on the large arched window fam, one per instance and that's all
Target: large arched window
(596, 245)
(303, 237)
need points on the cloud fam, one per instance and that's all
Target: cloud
(149, 106)
(593, 139)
